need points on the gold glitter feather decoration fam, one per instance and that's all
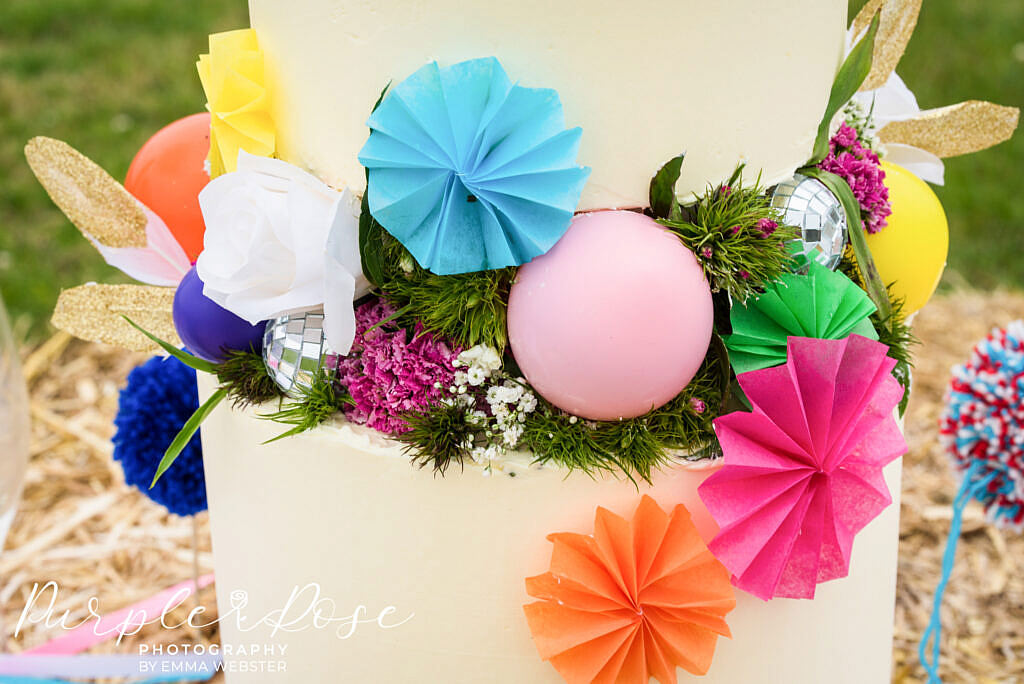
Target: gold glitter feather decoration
(954, 130)
(895, 27)
(94, 312)
(97, 204)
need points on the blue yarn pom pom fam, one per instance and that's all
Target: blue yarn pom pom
(160, 397)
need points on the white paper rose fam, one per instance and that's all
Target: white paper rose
(280, 241)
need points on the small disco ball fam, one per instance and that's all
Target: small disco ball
(807, 204)
(295, 349)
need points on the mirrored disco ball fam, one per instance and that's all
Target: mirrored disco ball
(807, 204)
(294, 350)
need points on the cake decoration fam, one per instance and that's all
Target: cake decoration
(96, 312)
(914, 139)
(207, 329)
(159, 398)
(739, 239)
(860, 167)
(897, 19)
(232, 74)
(463, 309)
(911, 252)
(167, 174)
(635, 600)
(470, 171)
(95, 203)
(268, 227)
(295, 350)
(802, 473)
(807, 204)
(619, 302)
(821, 304)
(391, 371)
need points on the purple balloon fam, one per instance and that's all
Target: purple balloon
(208, 329)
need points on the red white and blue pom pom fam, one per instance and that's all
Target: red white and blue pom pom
(982, 424)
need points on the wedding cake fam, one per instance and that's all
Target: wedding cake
(341, 508)
(537, 342)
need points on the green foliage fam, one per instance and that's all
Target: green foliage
(664, 203)
(720, 228)
(851, 75)
(313, 406)
(635, 446)
(243, 375)
(892, 328)
(439, 436)
(468, 308)
(189, 429)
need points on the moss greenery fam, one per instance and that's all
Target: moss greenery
(312, 406)
(636, 447)
(467, 308)
(243, 375)
(736, 235)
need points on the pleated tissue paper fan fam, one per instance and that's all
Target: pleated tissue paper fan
(470, 171)
(822, 304)
(634, 601)
(802, 473)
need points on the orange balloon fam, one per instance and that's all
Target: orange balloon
(167, 175)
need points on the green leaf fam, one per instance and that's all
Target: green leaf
(858, 240)
(370, 244)
(186, 433)
(664, 203)
(851, 75)
(186, 358)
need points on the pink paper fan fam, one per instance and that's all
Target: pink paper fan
(802, 474)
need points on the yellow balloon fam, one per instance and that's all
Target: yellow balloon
(911, 251)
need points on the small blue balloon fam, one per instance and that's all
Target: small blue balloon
(207, 329)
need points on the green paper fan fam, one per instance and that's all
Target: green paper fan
(822, 304)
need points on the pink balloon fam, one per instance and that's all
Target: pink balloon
(614, 321)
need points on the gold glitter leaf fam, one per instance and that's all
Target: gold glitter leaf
(958, 129)
(93, 312)
(96, 203)
(895, 27)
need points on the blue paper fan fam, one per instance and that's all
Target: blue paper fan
(470, 171)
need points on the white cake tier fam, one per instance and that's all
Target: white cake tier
(352, 515)
(729, 81)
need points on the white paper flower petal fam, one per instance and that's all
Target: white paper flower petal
(921, 163)
(267, 230)
(161, 262)
(894, 101)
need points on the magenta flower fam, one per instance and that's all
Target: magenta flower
(388, 374)
(862, 171)
(766, 227)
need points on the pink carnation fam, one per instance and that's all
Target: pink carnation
(862, 171)
(388, 375)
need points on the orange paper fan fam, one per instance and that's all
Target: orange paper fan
(634, 601)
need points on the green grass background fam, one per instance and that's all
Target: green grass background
(105, 74)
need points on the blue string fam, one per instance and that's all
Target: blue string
(969, 489)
